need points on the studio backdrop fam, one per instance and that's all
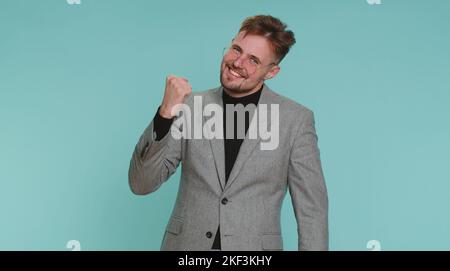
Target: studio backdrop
(80, 81)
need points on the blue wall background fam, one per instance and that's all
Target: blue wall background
(79, 83)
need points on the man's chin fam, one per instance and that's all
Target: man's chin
(233, 88)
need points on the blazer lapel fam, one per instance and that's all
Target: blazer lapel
(217, 145)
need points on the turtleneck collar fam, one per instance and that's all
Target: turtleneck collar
(249, 99)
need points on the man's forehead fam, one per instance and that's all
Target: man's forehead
(251, 38)
(253, 44)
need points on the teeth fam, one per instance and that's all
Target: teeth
(234, 73)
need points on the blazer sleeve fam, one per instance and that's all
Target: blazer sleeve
(154, 161)
(307, 188)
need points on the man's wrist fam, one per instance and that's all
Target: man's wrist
(161, 125)
(164, 112)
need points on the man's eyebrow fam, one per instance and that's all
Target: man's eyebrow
(237, 46)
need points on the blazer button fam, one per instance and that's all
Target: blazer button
(209, 234)
(224, 201)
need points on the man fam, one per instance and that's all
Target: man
(231, 188)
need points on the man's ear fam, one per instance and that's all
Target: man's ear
(272, 73)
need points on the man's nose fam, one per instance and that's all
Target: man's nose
(238, 62)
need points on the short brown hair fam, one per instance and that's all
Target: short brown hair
(273, 29)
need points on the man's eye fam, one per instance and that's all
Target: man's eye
(236, 50)
(254, 61)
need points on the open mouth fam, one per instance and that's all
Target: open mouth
(234, 73)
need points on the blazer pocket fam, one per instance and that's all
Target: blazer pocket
(175, 225)
(272, 242)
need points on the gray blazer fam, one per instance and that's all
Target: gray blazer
(249, 217)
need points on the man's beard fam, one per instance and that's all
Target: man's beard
(237, 88)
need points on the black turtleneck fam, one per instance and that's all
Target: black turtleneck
(232, 146)
(162, 126)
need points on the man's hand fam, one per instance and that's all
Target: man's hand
(177, 90)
